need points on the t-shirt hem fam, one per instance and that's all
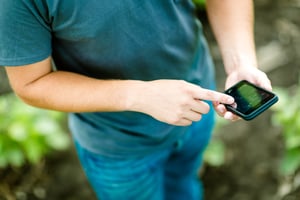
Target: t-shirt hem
(23, 61)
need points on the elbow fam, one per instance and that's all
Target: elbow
(24, 94)
(29, 93)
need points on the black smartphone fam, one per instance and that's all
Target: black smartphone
(250, 100)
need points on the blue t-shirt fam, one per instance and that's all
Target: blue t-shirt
(111, 39)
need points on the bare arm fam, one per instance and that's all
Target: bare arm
(171, 101)
(39, 86)
(232, 22)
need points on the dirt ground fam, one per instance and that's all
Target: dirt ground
(253, 149)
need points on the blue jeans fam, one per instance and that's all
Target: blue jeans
(170, 174)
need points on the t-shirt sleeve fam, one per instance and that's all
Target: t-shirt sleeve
(25, 36)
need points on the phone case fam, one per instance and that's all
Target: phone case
(257, 111)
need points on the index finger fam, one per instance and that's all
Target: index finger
(211, 95)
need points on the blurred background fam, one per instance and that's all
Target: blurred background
(256, 160)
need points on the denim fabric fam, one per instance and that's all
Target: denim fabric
(170, 174)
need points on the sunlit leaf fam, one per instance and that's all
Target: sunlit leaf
(46, 126)
(291, 161)
(17, 132)
(25, 131)
(34, 150)
(287, 117)
(59, 141)
(15, 157)
(215, 153)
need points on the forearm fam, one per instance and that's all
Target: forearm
(175, 102)
(232, 23)
(70, 92)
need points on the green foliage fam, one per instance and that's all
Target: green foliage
(27, 134)
(215, 152)
(200, 3)
(287, 117)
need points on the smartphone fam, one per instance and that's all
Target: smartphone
(250, 100)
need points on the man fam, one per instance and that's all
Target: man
(137, 80)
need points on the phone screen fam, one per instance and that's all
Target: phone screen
(249, 98)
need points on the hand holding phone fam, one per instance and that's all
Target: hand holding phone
(250, 100)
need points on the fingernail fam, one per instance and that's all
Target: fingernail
(223, 110)
(230, 100)
(228, 116)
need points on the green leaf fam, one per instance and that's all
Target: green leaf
(35, 148)
(17, 132)
(200, 4)
(3, 161)
(215, 153)
(15, 157)
(46, 126)
(291, 161)
(292, 141)
(28, 133)
(58, 141)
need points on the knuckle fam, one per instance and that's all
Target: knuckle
(210, 94)
(188, 123)
(205, 108)
(176, 119)
(199, 117)
(185, 101)
(223, 98)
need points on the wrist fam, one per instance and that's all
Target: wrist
(237, 61)
(132, 95)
